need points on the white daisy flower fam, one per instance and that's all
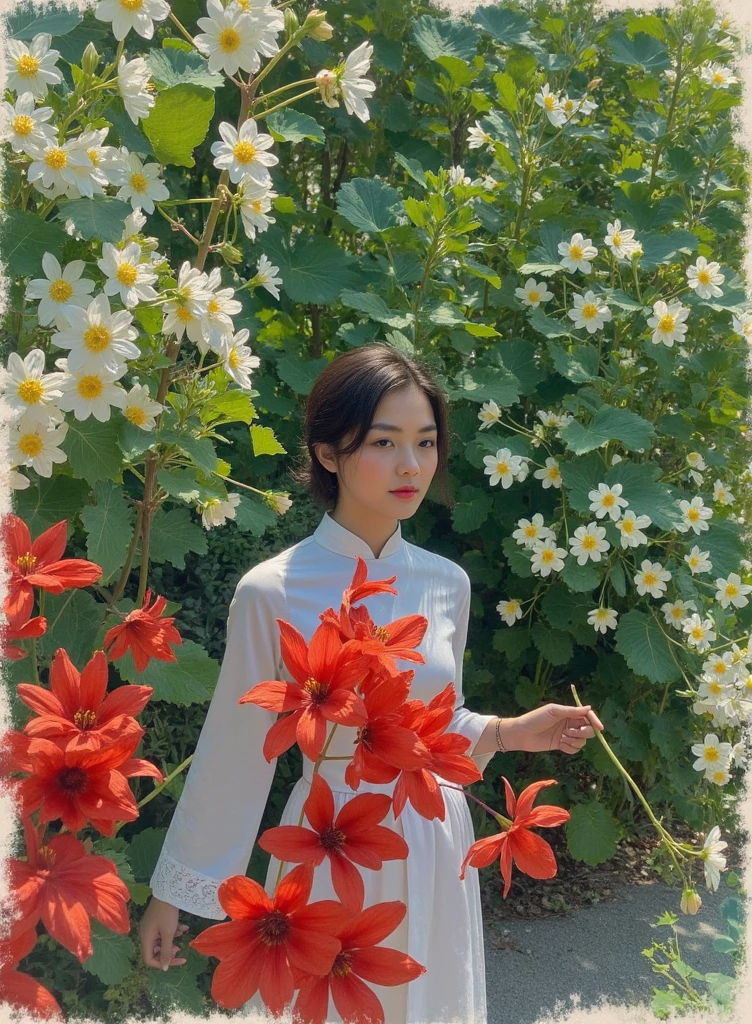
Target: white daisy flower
(588, 542)
(25, 385)
(238, 360)
(732, 591)
(133, 80)
(713, 861)
(132, 225)
(280, 503)
(667, 322)
(574, 109)
(550, 103)
(91, 393)
(548, 419)
(503, 466)
(265, 272)
(698, 560)
(589, 311)
(721, 494)
(510, 611)
(696, 461)
(140, 184)
(651, 579)
(242, 152)
(602, 619)
(720, 667)
(52, 165)
(621, 241)
(127, 277)
(139, 408)
(530, 531)
(91, 178)
(457, 176)
(704, 277)
(695, 514)
(214, 511)
(31, 443)
(607, 501)
(220, 309)
(477, 137)
(718, 776)
(699, 632)
(23, 126)
(254, 207)
(717, 76)
(631, 526)
(489, 414)
(550, 474)
(59, 290)
(547, 558)
(233, 39)
(743, 326)
(352, 85)
(711, 753)
(675, 612)
(577, 253)
(532, 294)
(192, 289)
(138, 15)
(32, 68)
(739, 754)
(98, 339)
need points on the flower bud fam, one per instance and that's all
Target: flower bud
(593, 84)
(317, 26)
(230, 253)
(326, 80)
(89, 59)
(291, 22)
(690, 902)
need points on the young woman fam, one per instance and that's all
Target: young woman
(376, 424)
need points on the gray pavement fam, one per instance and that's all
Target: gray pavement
(595, 952)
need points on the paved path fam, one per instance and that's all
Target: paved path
(595, 951)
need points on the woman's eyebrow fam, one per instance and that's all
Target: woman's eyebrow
(391, 426)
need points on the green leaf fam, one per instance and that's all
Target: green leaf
(178, 122)
(546, 325)
(581, 578)
(24, 239)
(200, 450)
(265, 441)
(112, 956)
(650, 24)
(646, 496)
(646, 650)
(109, 526)
(316, 270)
(47, 501)
(507, 92)
(143, 852)
(80, 617)
(189, 680)
(517, 558)
(288, 125)
(592, 832)
(178, 989)
(553, 644)
(723, 541)
(579, 365)
(131, 135)
(505, 25)
(563, 609)
(254, 515)
(27, 20)
(133, 441)
(581, 476)
(471, 510)
(92, 449)
(666, 733)
(374, 307)
(521, 65)
(608, 424)
(102, 217)
(369, 205)
(513, 642)
(227, 407)
(171, 67)
(519, 357)
(300, 374)
(445, 38)
(658, 248)
(483, 383)
(479, 270)
(173, 534)
(642, 50)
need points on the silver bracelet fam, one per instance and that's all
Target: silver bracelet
(499, 744)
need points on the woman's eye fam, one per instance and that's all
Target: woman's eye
(428, 439)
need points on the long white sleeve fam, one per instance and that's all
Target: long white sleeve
(215, 823)
(469, 723)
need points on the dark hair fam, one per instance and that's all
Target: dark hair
(344, 398)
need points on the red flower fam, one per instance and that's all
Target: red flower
(353, 836)
(531, 853)
(325, 674)
(20, 990)
(266, 937)
(77, 707)
(359, 960)
(64, 886)
(39, 564)
(359, 589)
(145, 634)
(19, 627)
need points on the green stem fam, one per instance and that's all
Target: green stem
(286, 103)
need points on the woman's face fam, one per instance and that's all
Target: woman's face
(391, 458)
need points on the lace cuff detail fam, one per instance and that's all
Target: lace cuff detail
(185, 888)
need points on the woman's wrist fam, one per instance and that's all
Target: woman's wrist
(506, 732)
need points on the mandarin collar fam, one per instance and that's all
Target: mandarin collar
(334, 537)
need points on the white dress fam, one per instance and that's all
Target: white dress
(215, 823)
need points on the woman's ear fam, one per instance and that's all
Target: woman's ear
(323, 455)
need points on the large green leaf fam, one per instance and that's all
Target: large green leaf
(579, 365)
(112, 957)
(290, 125)
(27, 20)
(608, 424)
(189, 680)
(108, 525)
(92, 449)
(143, 852)
(73, 621)
(102, 217)
(315, 270)
(669, 248)
(642, 50)
(645, 494)
(441, 37)
(178, 122)
(170, 67)
(645, 647)
(374, 307)
(483, 383)
(581, 578)
(174, 990)
(369, 205)
(579, 477)
(227, 407)
(472, 509)
(24, 239)
(553, 644)
(265, 441)
(300, 374)
(254, 515)
(173, 534)
(723, 541)
(506, 26)
(47, 501)
(200, 450)
(592, 832)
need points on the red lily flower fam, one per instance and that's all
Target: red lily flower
(360, 588)
(21, 990)
(77, 707)
(78, 786)
(531, 853)
(359, 960)
(325, 675)
(64, 886)
(145, 633)
(19, 627)
(266, 936)
(39, 564)
(353, 836)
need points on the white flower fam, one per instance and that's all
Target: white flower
(138, 15)
(550, 475)
(503, 466)
(589, 312)
(89, 177)
(720, 667)
(478, 137)
(457, 176)
(713, 860)
(139, 408)
(704, 277)
(91, 393)
(254, 207)
(550, 103)
(530, 531)
(265, 272)
(127, 276)
(220, 309)
(695, 514)
(242, 152)
(577, 253)
(190, 306)
(31, 443)
(132, 225)
(98, 339)
(620, 241)
(532, 294)
(353, 86)
(510, 611)
(631, 526)
(238, 360)
(573, 108)
(607, 501)
(675, 612)
(743, 326)
(25, 385)
(214, 511)
(699, 632)
(280, 503)
(602, 619)
(717, 76)
(732, 591)
(54, 164)
(24, 127)
(667, 322)
(140, 184)
(489, 414)
(722, 494)
(547, 558)
(551, 419)
(698, 560)
(60, 290)
(133, 78)
(32, 68)
(233, 38)
(711, 753)
(696, 461)
(718, 776)
(652, 578)
(17, 481)
(588, 542)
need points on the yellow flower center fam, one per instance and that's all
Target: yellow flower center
(719, 77)
(214, 306)
(589, 542)
(589, 310)
(233, 359)
(554, 473)
(531, 530)
(693, 514)
(138, 182)
(61, 290)
(90, 386)
(131, 5)
(23, 124)
(748, 683)
(715, 688)
(93, 156)
(628, 526)
(697, 632)
(607, 500)
(27, 66)
(256, 206)
(720, 668)
(97, 338)
(617, 238)
(703, 277)
(549, 102)
(244, 151)
(184, 314)
(731, 590)
(502, 468)
(135, 414)
(547, 556)
(575, 251)
(85, 719)
(711, 753)
(533, 296)
(666, 323)
(650, 579)
(56, 158)
(30, 444)
(678, 613)
(721, 494)
(127, 274)
(694, 561)
(229, 40)
(30, 391)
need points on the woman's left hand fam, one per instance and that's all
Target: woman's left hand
(556, 727)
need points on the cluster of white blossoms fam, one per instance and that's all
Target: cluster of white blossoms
(560, 109)
(235, 37)
(505, 468)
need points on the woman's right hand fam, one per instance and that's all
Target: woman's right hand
(157, 929)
